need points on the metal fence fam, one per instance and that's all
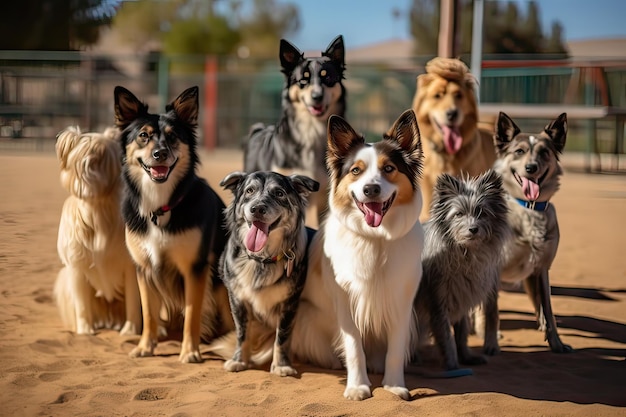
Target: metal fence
(43, 92)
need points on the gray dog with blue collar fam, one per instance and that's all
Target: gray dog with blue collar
(530, 170)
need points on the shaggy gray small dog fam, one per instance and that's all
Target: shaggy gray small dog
(461, 261)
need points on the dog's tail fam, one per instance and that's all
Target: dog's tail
(261, 348)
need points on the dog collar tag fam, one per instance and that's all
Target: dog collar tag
(289, 264)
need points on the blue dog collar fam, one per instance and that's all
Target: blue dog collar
(533, 205)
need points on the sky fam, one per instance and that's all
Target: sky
(363, 22)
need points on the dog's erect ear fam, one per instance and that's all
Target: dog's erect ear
(407, 133)
(506, 130)
(341, 136)
(489, 182)
(447, 186)
(127, 107)
(304, 185)
(290, 56)
(186, 106)
(336, 51)
(557, 130)
(232, 180)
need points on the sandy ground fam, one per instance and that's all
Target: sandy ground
(46, 370)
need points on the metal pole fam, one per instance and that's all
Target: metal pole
(477, 43)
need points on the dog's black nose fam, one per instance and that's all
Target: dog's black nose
(317, 95)
(452, 114)
(531, 168)
(473, 230)
(160, 154)
(371, 190)
(259, 208)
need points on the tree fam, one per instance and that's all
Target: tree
(506, 30)
(53, 25)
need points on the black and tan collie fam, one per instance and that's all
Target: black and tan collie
(313, 91)
(173, 222)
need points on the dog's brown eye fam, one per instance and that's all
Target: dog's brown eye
(143, 138)
(458, 95)
(323, 73)
(519, 152)
(355, 171)
(437, 96)
(279, 193)
(249, 190)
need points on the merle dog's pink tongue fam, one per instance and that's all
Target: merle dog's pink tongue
(452, 139)
(373, 214)
(530, 188)
(257, 236)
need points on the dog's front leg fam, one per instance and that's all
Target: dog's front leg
(281, 363)
(83, 309)
(150, 311)
(241, 357)
(397, 345)
(441, 329)
(358, 384)
(132, 301)
(552, 335)
(461, 332)
(491, 346)
(194, 297)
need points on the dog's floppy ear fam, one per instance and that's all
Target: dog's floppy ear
(557, 130)
(341, 137)
(303, 184)
(422, 82)
(186, 106)
(232, 180)
(290, 56)
(67, 139)
(506, 130)
(336, 52)
(127, 107)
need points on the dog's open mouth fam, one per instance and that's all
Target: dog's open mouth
(158, 173)
(452, 139)
(256, 238)
(374, 211)
(317, 110)
(530, 187)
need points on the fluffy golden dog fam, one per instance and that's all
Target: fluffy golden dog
(447, 114)
(97, 286)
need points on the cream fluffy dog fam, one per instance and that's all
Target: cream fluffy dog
(97, 286)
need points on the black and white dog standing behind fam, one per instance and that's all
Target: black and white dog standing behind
(173, 222)
(530, 169)
(372, 242)
(313, 91)
(461, 263)
(264, 265)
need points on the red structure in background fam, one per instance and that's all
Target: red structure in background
(209, 116)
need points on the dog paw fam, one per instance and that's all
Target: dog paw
(474, 360)
(85, 328)
(358, 393)
(401, 392)
(235, 366)
(561, 348)
(190, 357)
(141, 352)
(129, 329)
(284, 370)
(491, 349)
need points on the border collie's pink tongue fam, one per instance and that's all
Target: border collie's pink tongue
(257, 236)
(159, 172)
(373, 214)
(452, 139)
(316, 110)
(530, 188)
